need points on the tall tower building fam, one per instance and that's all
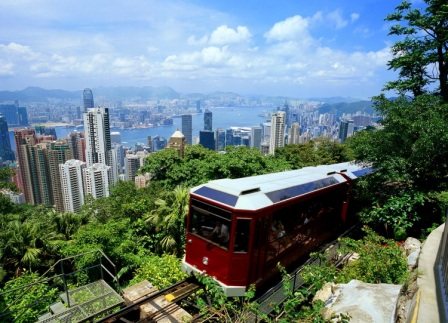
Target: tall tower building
(77, 144)
(22, 116)
(255, 137)
(277, 131)
(132, 164)
(25, 139)
(5, 145)
(220, 135)
(72, 184)
(97, 135)
(207, 139)
(96, 180)
(187, 128)
(346, 128)
(58, 153)
(87, 97)
(208, 120)
(177, 141)
(294, 134)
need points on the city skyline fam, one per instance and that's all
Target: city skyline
(290, 48)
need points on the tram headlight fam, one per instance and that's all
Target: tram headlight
(205, 260)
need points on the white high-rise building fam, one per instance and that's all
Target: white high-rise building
(277, 131)
(132, 164)
(96, 180)
(72, 184)
(98, 140)
(294, 134)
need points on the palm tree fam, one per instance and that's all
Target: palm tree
(169, 219)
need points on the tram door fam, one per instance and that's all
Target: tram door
(258, 254)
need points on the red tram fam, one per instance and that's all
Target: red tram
(239, 229)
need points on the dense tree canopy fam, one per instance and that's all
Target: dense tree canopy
(421, 54)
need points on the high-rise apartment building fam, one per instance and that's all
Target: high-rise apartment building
(294, 134)
(58, 153)
(5, 145)
(187, 128)
(87, 97)
(132, 165)
(208, 120)
(277, 131)
(98, 141)
(77, 144)
(72, 183)
(25, 139)
(96, 180)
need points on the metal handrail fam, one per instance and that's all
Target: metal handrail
(27, 287)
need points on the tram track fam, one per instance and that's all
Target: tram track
(170, 296)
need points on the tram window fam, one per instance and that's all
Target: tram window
(242, 235)
(210, 227)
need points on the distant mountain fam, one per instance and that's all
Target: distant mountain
(347, 107)
(37, 94)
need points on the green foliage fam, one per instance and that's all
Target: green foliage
(423, 43)
(317, 152)
(220, 308)
(380, 260)
(168, 217)
(399, 213)
(6, 174)
(161, 271)
(200, 165)
(33, 300)
(409, 154)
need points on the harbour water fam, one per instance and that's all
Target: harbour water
(223, 117)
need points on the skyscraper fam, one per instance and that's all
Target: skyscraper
(255, 137)
(346, 128)
(132, 164)
(58, 153)
(277, 131)
(208, 119)
(22, 116)
(5, 145)
(9, 111)
(207, 139)
(77, 144)
(72, 184)
(87, 97)
(25, 139)
(220, 135)
(294, 134)
(97, 136)
(187, 128)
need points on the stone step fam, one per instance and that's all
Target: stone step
(44, 317)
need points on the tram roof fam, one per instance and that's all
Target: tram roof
(256, 192)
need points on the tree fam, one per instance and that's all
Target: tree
(422, 56)
(168, 217)
(25, 304)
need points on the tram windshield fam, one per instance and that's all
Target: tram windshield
(210, 223)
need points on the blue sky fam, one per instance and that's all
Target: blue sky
(274, 47)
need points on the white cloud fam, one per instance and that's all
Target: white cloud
(336, 18)
(354, 16)
(224, 35)
(6, 68)
(290, 28)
